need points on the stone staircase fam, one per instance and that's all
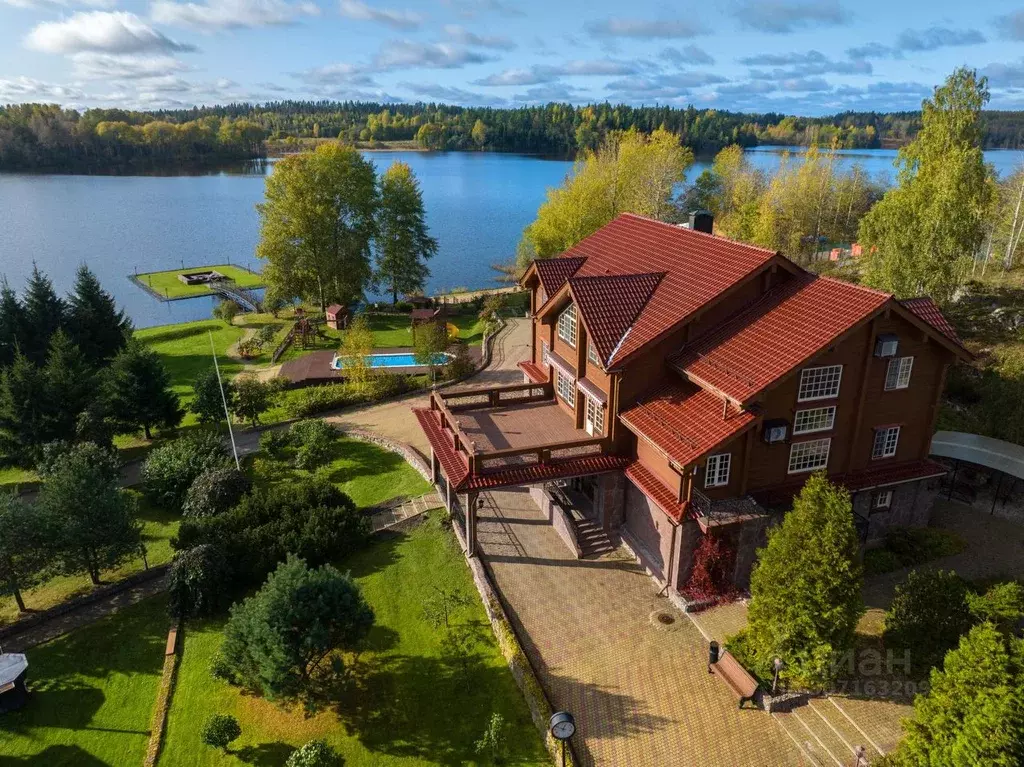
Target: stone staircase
(826, 736)
(592, 538)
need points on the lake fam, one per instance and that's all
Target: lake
(477, 205)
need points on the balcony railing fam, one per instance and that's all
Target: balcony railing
(492, 461)
(725, 510)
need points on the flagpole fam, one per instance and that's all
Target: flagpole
(224, 399)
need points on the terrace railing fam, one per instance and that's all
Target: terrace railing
(483, 462)
(724, 510)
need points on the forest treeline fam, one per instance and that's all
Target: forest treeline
(47, 137)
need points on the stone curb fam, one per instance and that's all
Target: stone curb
(165, 693)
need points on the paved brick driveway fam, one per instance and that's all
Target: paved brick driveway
(641, 693)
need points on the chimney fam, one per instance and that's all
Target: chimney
(702, 221)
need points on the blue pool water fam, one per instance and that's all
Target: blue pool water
(392, 361)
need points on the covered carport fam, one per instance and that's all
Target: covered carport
(983, 470)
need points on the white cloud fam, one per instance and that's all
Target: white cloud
(25, 89)
(785, 16)
(102, 32)
(51, 4)
(643, 29)
(405, 54)
(356, 9)
(690, 54)
(549, 73)
(937, 37)
(1012, 25)
(451, 95)
(231, 14)
(106, 66)
(458, 34)
(349, 74)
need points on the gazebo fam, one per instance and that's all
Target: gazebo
(13, 693)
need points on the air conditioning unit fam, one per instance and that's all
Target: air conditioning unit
(775, 431)
(886, 345)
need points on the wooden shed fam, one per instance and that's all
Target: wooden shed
(337, 317)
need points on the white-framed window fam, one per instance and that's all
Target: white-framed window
(716, 473)
(567, 325)
(566, 387)
(882, 499)
(545, 353)
(815, 419)
(886, 440)
(820, 383)
(595, 417)
(898, 374)
(592, 354)
(808, 456)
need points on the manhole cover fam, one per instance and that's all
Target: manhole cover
(663, 620)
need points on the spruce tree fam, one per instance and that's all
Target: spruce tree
(12, 324)
(139, 391)
(403, 243)
(24, 422)
(26, 547)
(44, 314)
(806, 589)
(95, 323)
(70, 386)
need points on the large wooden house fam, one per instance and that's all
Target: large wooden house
(682, 384)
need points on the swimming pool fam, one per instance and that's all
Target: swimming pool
(398, 360)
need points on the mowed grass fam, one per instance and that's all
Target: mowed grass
(408, 705)
(93, 692)
(168, 285)
(396, 330)
(158, 527)
(367, 473)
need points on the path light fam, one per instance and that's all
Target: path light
(777, 664)
(563, 727)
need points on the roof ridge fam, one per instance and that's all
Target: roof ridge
(865, 288)
(677, 228)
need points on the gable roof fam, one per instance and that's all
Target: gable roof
(553, 272)
(609, 305)
(787, 326)
(685, 422)
(697, 268)
(929, 311)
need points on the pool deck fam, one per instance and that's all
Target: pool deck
(314, 369)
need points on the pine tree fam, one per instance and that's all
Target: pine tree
(806, 589)
(44, 314)
(26, 549)
(70, 386)
(95, 323)
(12, 324)
(403, 243)
(24, 424)
(139, 391)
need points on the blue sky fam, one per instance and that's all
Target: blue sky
(797, 56)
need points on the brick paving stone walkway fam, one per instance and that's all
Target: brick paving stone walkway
(640, 691)
(388, 516)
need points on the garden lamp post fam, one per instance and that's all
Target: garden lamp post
(562, 726)
(777, 664)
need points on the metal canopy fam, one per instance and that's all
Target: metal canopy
(984, 451)
(12, 665)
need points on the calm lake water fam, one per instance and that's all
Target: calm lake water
(477, 206)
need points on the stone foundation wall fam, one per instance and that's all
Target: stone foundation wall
(611, 500)
(753, 535)
(911, 507)
(559, 519)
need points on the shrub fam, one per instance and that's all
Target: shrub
(273, 441)
(170, 469)
(383, 384)
(312, 519)
(310, 401)
(918, 545)
(312, 431)
(221, 669)
(220, 730)
(316, 753)
(1002, 606)
(226, 310)
(494, 743)
(460, 365)
(879, 561)
(214, 492)
(711, 576)
(283, 640)
(198, 582)
(928, 615)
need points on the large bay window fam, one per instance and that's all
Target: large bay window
(820, 383)
(566, 388)
(808, 456)
(567, 325)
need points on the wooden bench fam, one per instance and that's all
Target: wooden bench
(729, 670)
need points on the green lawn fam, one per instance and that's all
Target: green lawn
(14, 476)
(409, 706)
(158, 527)
(167, 283)
(93, 693)
(391, 331)
(369, 474)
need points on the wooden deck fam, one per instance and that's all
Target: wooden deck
(314, 368)
(518, 426)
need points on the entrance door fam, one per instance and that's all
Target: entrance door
(595, 418)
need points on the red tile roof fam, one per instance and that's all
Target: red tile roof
(882, 475)
(685, 422)
(654, 489)
(698, 267)
(452, 463)
(536, 373)
(925, 308)
(553, 272)
(778, 333)
(609, 305)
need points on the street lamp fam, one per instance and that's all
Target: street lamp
(562, 726)
(777, 664)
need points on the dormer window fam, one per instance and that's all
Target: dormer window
(567, 325)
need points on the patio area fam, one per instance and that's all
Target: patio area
(639, 689)
(518, 426)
